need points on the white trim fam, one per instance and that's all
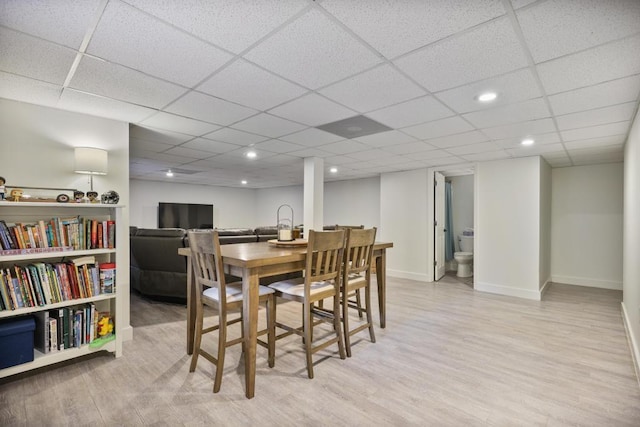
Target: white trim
(507, 290)
(584, 281)
(544, 287)
(633, 345)
(420, 277)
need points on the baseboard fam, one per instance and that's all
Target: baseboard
(507, 290)
(127, 333)
(408, 275)
(544, 287)
(591, 283)
(633, 345)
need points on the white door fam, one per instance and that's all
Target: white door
(439, 230)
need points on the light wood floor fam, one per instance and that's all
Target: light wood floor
(449, 356)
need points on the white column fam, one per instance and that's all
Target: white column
(313, 194)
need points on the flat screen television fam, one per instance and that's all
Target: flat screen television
(185, 215)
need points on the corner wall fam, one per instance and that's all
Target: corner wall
(587, 223)
(631, 241)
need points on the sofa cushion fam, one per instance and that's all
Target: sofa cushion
(161, 232)
(235, 231)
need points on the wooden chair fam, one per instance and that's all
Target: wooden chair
(322, 277)
(213, 291)
(357, 275)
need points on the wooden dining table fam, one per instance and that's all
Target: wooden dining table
(252, 261)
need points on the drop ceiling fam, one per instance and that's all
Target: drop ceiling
(203, 82)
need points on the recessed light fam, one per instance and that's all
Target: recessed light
(333, 170)
(244, 182)
(169, 173)
(527, 141)
(251, 154)
(487, 96)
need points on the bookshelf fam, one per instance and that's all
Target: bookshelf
(112, 303)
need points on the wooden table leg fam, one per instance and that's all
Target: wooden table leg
(381, 277)
(191, 309)
(250, 294)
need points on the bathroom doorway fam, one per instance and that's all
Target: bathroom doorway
(453, 215)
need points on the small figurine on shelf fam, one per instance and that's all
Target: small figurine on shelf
(79, 196)
(93, 196)
(2, 190)
(16, 193)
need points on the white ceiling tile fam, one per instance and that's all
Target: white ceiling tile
(373, 89)
(132, 38)
(276, 146)
(28, 90)
(587, 98)
(579, 24)
(188, 152)
(559, 163)
(510, 88)
(517, 4)
(481, 147)
(337, 160)
(596, 131)
(430, 155)
(34, 58)
(344, 147)
(380, 156)
(237, 137)
(209, 109)
(237, 24)
(485, 157)
(313, 43)
(173, 160)
(312, 137)
(466, 138)
(137, 145)
(102, 107)
(521, 130)
(399, 26)
(412, 112)
(611, 114)
(483, 52)
(528, 110)
(157, 135)
(268, 125)
(514, 142)
(593, 66)
(385, 139)
(595, 142)
(113, 81)
(409, 148)
(63, 21)
(438, 128)
(204, 144)
(249, 85)
(179, 124)
(313, 110)
(535, 150)
(311, 152)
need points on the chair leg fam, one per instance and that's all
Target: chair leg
(307, 327)
(271, 326)
(336, 323)
(367, 298)
(222, 345)
(359, 303)
(345, 321)
(197, 339)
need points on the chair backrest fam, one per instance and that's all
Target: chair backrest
(207, 263)
(324, 256)
(358, 250)
(348, 227)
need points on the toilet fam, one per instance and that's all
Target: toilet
(464, 258)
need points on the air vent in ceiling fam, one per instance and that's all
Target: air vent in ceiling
(354, 127)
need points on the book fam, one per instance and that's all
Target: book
(53, 333)
(42, 333)
(5, 293)
(111, 234)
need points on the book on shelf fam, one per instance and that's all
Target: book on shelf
(41, 339)
(53, 333)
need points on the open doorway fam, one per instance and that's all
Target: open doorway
(452, 222)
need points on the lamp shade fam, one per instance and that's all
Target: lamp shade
(91, 161)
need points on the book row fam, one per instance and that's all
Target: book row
(40, 284)
(75, 232)
(70, 327)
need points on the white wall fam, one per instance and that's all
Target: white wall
(507, 240)
(269, 199)
(232, 207)
(544, 267)
(353, 202)
(403, 221)
(587, 213)
(631, 240)
(461, 205)
(37, 151)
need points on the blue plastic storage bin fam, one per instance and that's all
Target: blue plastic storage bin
(16, 341)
